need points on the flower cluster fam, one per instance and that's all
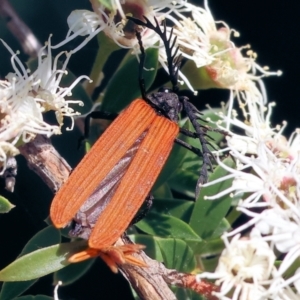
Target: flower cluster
(25, 96)
(206, 43)
(266, 180)
(266, 176)
(246, 268)
(202, 40)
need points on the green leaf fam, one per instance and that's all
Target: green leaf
(5, 205)
(207, 253)
(289, 272)
(199, 78)
(173, 163)
(72, 272)
(177, 254)
(163, 191)
(223, 226)
(173, 252)
(174, 160)
(37, 297)
(233, 215)
(209, 264)
(106, 47)
(167, 226)
(181, 209)
(212, 115)
(210, 247)
(44, 238)
(10, 290)
(184, 294)
(40, 262)
(152, 248)
(185, 178)
(184, 182)
(208, 214)
(124, 87)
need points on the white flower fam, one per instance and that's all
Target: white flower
(24, 97)
(115, 24)
(267, 171)
(208, 43)
(280, 288)
(267, 164)
(245, 265)
(45, 85)
(200, 38)
(266, 176)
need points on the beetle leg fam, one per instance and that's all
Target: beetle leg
(206, 162)
(140, 215)
(112, 256)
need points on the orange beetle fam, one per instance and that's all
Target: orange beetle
(110, 184)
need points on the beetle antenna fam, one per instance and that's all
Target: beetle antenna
(174, 62)
(141, 66)
(173, 59)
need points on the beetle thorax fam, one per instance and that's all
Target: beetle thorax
(166, 102)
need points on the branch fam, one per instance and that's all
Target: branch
(45, 161)
(19, 29)
(157, 277)
(150, 283)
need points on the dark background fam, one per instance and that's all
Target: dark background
(271, 27)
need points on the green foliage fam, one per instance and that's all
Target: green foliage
(37, 297)
(167, 226)
(45, 238)
(5, 205)
(72, 272)
(180, 231)
(207, 215)
(123, 87)
(37, 263)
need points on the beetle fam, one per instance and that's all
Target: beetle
(110, 184)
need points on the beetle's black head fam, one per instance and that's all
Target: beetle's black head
(165, 101)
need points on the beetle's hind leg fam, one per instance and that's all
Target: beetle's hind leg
(144, 211)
